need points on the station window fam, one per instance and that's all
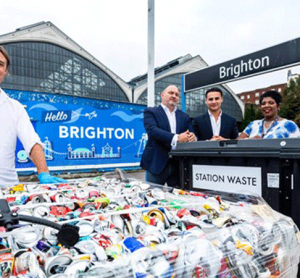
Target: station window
(45, 67)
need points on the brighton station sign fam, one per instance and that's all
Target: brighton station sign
(273, 58)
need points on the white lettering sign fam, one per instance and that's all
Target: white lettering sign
(55, 116)
(95, 132)
(236, 70)
(227, 178)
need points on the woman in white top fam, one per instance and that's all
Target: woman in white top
(272, 125)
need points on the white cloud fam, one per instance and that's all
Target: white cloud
(244, 31)
(115, 31)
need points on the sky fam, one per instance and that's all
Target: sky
(116, 31)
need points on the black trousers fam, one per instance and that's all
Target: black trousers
(169, 175)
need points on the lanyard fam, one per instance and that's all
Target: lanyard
(265, 131)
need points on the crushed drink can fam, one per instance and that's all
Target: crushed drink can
(6, 262)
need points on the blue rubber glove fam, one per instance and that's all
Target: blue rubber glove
(45, 178)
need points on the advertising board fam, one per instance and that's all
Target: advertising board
(81, 133)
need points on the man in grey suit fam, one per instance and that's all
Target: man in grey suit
(214, 124)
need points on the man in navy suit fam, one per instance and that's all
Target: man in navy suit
(165, 126)
(214, 124)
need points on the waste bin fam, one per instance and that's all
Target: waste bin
(269, 168)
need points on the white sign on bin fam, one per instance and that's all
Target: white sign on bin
(227, 178)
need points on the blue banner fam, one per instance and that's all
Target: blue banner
(80, 133)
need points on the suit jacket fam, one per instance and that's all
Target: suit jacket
(156, 123)
(203, 129)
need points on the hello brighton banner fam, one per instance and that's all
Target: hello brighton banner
(81, 133)
(273, 58)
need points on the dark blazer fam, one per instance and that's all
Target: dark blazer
(155, 155)
(203, 130)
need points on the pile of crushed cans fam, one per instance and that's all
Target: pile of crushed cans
(129, 228)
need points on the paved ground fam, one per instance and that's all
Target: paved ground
(140, 175)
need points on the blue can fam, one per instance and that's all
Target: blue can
(132, 244)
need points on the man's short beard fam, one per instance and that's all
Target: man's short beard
(171, 104)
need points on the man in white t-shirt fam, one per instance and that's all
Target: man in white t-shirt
(15, 123)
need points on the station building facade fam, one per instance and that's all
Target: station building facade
(171, 73)
(44, 59)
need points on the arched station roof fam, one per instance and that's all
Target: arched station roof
(48, 33)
